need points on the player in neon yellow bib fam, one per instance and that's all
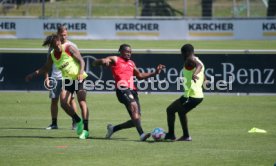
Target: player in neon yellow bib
(193, 82)
(55, 93)
(193, 72)
(69, 61)
(69, 66)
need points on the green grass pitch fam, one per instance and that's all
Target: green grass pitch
(218, 126)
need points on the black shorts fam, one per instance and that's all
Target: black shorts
(73, 85)
(189, 103)
(127, 96)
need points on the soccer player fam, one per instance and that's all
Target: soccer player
(68, 59)
(123, 70)
(193, 72)
(57, 75)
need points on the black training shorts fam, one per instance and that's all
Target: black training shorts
(73, 85)
(126, 96)
(189, 103)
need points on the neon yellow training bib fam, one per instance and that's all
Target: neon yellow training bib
(69, 67)
(191, 88)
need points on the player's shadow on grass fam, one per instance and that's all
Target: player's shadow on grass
(111, 139)
(21, 128)
(34, 136)
(32, 128)
(54, 137)
(152, 141)
(72, 137)
(126, 139)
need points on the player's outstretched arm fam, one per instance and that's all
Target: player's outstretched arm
(105, 61)
(46, 75)
(141, 76)
(40, 71)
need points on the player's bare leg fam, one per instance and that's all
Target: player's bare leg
(54, 114)
(81, 94)
(74, 107)
(65, 99)
(136, 119)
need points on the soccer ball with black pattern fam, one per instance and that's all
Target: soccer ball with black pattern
(158, 134)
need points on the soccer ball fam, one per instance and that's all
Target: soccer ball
(158, 134)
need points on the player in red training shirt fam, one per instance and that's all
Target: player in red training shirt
(123, 70)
